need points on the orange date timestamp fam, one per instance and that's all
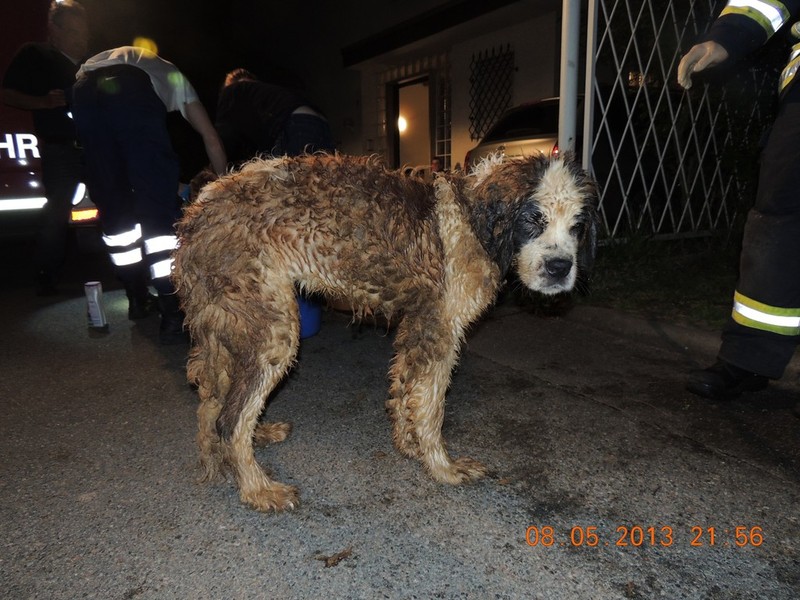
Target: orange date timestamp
(637, 536)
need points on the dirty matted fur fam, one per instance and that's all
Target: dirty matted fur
(431, 256)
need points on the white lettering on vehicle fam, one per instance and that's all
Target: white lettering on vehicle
(18, 145)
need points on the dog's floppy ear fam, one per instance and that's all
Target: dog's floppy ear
(495, 204)
(493, 222)
(587, 250)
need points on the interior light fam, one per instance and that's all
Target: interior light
(402, 124)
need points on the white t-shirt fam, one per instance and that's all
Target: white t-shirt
(170, 85)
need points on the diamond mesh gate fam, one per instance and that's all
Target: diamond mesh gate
(671, 163)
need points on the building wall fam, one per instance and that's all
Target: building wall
(536, 49)
(535, 43)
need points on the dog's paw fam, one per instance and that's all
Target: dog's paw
(212, 466)
(460, 470)
(271, 433)
(275, 498)
(469, 469)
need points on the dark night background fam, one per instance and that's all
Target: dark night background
(207, 39)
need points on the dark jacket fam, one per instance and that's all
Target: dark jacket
(746, 27)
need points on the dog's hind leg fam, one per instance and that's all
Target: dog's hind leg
(211, 458)
(427, 350)
(208, 439)
(262, 351)
(211, 379)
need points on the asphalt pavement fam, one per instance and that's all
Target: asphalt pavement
(607, 480)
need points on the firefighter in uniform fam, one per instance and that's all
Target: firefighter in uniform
(121, 99)
(764, 329)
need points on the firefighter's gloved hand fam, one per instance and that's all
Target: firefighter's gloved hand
(700, 57)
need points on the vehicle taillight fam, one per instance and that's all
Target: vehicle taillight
(85, 214)
(80, 192)
(555, 152)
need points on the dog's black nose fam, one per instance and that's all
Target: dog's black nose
(558, 267)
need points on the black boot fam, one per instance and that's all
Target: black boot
(171, 331)
(141, 304)
(724, 381)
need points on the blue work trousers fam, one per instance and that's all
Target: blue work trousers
(132, 169)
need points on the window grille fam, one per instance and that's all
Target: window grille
(491, 85)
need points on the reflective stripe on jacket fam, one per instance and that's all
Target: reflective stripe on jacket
(770, 15)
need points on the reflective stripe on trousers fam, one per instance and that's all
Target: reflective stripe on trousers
(159, 251)
(124, 248)
(757, 315)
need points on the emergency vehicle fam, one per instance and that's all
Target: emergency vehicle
(22, 195)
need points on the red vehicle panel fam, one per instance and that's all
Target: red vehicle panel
(21, 191)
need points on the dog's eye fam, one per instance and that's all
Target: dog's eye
(578, 229)
(534, 222)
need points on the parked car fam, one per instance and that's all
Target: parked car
(525, 130)
(532, 128)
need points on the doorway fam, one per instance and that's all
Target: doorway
(412, 123)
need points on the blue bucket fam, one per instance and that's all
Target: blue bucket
(310, 316)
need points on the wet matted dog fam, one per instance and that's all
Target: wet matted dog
(431, 256)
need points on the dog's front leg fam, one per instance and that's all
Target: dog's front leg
(427, 349)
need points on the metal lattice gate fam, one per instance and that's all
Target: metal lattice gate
(672, 163)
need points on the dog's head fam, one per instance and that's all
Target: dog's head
(538, 215)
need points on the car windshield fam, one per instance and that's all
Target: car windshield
(533, 120)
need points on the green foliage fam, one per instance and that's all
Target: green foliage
(688, 280)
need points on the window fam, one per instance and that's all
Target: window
(491, 84)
